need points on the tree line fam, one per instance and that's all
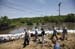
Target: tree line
(5, 22)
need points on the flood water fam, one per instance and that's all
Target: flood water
(13, 31)
(16, 30)
(47, 26)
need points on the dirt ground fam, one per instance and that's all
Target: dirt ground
(18, 44)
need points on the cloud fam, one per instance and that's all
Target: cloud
(41, 1)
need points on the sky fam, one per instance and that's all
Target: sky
(35, 8)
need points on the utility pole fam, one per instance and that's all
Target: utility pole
(59, 7)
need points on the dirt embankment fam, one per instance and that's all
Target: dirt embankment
(18, 44)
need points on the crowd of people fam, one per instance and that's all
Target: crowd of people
(56, 42)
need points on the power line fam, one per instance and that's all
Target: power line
(23, 7)
(30, 12)
(13, 8)
(17, 9)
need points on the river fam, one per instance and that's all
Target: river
(12, 31)
(70, 26)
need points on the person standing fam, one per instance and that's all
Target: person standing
(43, 34)
(36, 33)
(64, 33)
(54, 33)
(26, 38)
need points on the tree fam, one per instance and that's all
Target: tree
(70, 18)
(4, 22)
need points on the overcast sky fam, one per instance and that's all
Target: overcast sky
(33, 8)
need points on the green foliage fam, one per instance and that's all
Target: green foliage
(37, 20)
(29, 22)
(70, 18)
(47, 19)
(4, 22)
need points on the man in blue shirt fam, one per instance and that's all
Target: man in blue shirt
(57, 45)
(36, 33)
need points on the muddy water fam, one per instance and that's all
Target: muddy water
(47, 26)
(12, 31)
